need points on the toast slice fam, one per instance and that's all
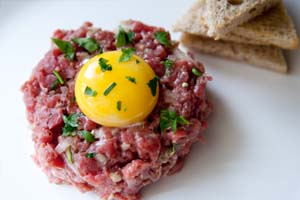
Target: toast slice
(274, 27)
(223, 16)
(263, 56)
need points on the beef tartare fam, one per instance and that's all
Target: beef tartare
(114, 162)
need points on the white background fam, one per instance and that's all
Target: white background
(253, 142)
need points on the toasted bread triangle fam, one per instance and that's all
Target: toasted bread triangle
(274, 27)
(223, 16)
(263, 56)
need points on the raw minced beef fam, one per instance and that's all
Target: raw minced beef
(124, 159)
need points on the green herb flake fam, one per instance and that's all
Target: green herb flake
(130, 36)
(182, 121)
(123, 38)
(119, 105)
(66, 47)
(169, 119)
(152, 84)
(74, 99)
(88, 136)
(71, 124)
(58, 77)
(69, 155)
(109, 89)
(127, 53)
(137, 61)
(103, 63)
(168, 63)
(196, 72)
(172, 149)
(54, 85)
(131, 79)
(90, 155)
(163, 38)
(90, 92)
(89, 44)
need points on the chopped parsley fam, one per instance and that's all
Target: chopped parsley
(69, 155)
(131, 79)
(90, 92)
(196, 72)
(130, 36)
(172, 149)
(66, 47)
(169, 119)
(119, 105)
(124, 38)
(104, 65)
(58, 77)
(168, 63)
(90, 155)
(74, 99)
(88, 136)
(127, 53)
(71, 124)
(152, 84)
(109, 89)
(163, 38)
(137, 61)
(54, 85)
(89, 44)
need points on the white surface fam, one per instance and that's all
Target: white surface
(253, 143)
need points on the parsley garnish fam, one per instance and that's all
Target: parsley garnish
(90, 155)
(119, 105)
(66, 47)
(59, 80)
(137, 61)
(152, 84)
(169, 119)
(71, 124)
(54, 84)
(172, 149)
(88, 136)
(89, 92)
(58, 77)
(196, 72)
(131, 79)
(69, 155)
(127, 53)
(89, 44)
(124, 38)
(130, 36)
(103, 65)
(163, 38)
(109, 89)
(168, 63)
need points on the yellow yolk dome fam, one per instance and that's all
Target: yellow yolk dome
(114, 89)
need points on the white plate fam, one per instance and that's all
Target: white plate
(253, 142)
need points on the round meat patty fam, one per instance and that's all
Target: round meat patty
(119, 161)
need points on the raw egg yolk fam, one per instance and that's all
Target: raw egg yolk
(115, 93)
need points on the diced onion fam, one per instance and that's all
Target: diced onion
(125, 146)
(63, 145)
(115, 177)
(98, 133)
(100, 158)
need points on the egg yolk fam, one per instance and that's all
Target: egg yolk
(114, 93)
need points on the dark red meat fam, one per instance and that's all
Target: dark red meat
(125, 159)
